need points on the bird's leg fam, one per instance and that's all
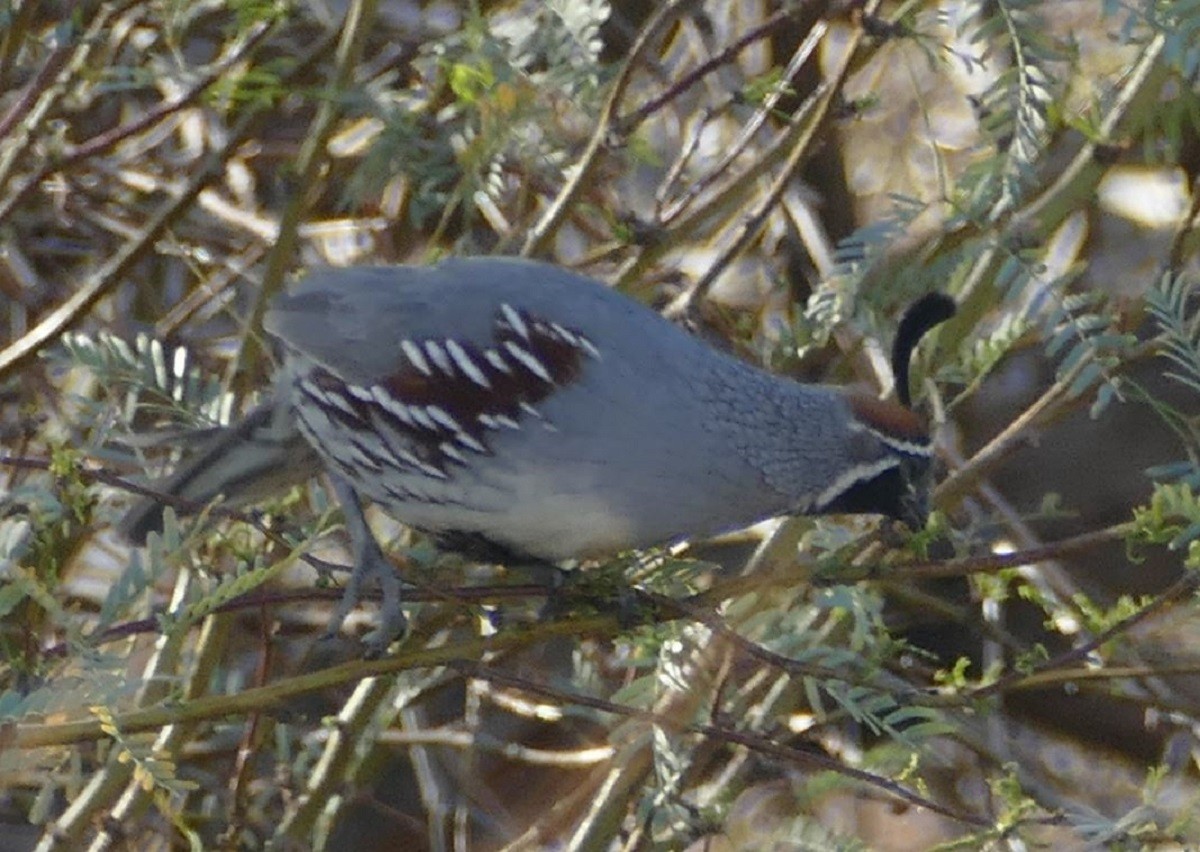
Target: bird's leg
(563, 585)
(543, 573)
(555, 579)
(369, 564)
(478, 548)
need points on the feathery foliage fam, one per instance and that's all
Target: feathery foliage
(739, 692)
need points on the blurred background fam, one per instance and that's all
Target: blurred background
(781, 177)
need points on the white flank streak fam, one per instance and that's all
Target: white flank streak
(313, 390)
(514, 319)
(345, 463)
(565, 334)
(589, 347)
(328, 398)
(464, 362)
(421, 466)
(414, 354)
(507, 422)
(423, 419)
(469, 442)
(532, 364)
(338, 401)
(359, 393)
(443, 417)
(488, 421)
(364, 459)
(393, 406)
(529, 409)
(854, 475)
(439, 357)
(437, 473)
(448, 448)
(496, 360)
(407, 456)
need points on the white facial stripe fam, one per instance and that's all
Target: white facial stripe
(464, 362)
(414, 354)
(855, 475)
(439, 357)
(514, 320)
(912, 448)
(528, 361)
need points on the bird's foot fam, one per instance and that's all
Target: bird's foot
(370, 564)
(373, 568)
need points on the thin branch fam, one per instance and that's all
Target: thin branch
(113, 271)
(752, 741)
(1181, 588)
(314, 154)
(543, 231)
(811, 120)
(961, 478)
(26, 735)
(104, 141)
(698, 187)
(625, 124)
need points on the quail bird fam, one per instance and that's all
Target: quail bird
(517, 410)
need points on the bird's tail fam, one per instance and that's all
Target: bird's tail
(263, 455)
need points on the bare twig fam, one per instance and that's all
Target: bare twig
(753, 741)
(313, 155)
(112, 272)
(543, 231)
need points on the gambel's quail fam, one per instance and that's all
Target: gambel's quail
(519, 410)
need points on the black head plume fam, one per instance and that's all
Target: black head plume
(922, 315)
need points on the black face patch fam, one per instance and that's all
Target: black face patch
(900, 492)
